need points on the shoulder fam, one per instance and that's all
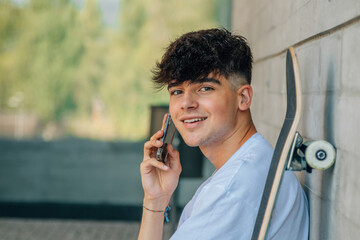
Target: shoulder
(256, 158)
(244, 174)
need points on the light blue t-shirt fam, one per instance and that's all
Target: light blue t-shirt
(225, 206)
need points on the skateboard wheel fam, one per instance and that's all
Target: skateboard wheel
(320, 154)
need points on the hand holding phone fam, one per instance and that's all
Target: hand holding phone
(169, 132)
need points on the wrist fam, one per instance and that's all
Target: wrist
(159, 203)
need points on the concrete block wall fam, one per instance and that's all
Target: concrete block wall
(326, 36)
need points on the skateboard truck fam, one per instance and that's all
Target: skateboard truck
(310, 155)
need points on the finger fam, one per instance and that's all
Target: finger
(153, 144)
(150, 147)
(148, 165)
(164, 121)
(157, 135)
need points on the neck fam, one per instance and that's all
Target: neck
(219, 153)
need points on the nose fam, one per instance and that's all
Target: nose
(189, 101)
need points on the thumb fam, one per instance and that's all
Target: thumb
(174, 158)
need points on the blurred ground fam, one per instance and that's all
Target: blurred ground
(30, 229)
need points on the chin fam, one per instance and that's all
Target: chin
(192, 142)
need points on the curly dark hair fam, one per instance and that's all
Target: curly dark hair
(195, 55)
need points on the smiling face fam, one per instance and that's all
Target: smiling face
(205, 112)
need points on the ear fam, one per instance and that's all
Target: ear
(245, 93)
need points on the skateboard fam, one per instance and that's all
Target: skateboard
(290, 153)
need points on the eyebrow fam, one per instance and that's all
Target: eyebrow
(201, 80)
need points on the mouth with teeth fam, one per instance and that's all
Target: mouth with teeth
(193, 120)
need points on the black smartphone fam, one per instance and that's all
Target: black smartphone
(169, 132)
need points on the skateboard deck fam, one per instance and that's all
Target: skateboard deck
(283, 145)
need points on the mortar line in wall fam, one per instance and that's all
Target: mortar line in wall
(314, 37)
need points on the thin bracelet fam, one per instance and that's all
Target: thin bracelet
(166, 212)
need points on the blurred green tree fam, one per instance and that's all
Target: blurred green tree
(63, 59)
(91, 69)
(48, 53)
(9, 35)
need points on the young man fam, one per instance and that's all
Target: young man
(208, 75)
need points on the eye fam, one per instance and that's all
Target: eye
(206, 89)
(175, 92)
